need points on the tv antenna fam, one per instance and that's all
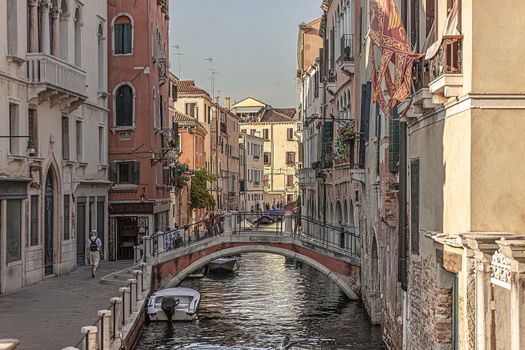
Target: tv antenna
(178, 54)
(212, 76)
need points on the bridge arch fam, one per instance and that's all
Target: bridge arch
(344, 282)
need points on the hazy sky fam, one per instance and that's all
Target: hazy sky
(253, 44)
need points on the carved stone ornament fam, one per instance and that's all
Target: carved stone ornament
(500, 270)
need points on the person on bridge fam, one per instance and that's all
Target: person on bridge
(93, 251)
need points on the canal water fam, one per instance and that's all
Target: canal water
(266, 298)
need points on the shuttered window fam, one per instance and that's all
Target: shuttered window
(67, 223)
(328, 136)
(125, 172)
(366, 92)
(34, 220)
(289, 133)
(124, 106)
(393, 143)
(414, 206)
(65, 138)
(123, 37)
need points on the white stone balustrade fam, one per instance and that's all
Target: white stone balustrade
(90, 337)
(133, 294)
(104, 335)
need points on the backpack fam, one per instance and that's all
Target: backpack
(93, 246)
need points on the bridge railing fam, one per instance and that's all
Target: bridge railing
(334, 237)
(186, 235)
(271, 222)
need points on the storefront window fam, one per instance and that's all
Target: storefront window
(14, 230)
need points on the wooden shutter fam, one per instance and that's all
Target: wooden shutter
(366, 91)
(117, 34)
(414, 206)
(393, 143)
(65, 138)
(127, 106)
(136, 173)
(126, 38)
(113, 173)
(328, 135)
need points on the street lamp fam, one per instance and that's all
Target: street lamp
(30, 147)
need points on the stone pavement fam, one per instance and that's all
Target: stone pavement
(49, 315)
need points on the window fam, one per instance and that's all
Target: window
(174, 92)
(266, 180)
(266, 134)
(252, 132)
(289, 198)
(65, 138)
(290, 158)
(14, 129)
(80, 141)
(209, 114)
(289, 180)
(12, 30)
(393, 143)
(34, 221)
(14, 230)
(289, 134)
(124, 106)
(100, 57)
(78, 38)
(67, 224)
(414, 206)
(122, 36)
(125, 172)
(267, 158)
(32, 126)
(101, 145)
(192, 110)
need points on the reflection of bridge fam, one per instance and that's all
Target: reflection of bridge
(337, 256)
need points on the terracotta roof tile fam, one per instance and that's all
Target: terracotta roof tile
(289, 112)
(189, 87)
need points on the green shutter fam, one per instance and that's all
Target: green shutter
(118, 38)
(328, 136)
(113, 173)
(136, 173)
(393, 142)
(127, 38)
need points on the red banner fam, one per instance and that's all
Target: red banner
(388, 34)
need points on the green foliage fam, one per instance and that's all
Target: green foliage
(179, 179)
(342, 142)
(200, 196)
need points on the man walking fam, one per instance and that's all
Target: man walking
(93, 251)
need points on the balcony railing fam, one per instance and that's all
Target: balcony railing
(347, 48)
(54, 74)
(449, 58)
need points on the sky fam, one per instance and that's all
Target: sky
(253, 44)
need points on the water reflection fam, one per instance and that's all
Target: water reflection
(267, 298)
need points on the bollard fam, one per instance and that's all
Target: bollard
(160, 242)
(144, 269)
(138, 277)
(9, 344)
(104, 335)
(147, 249)
(126, 307)
(133, 294)
(227, 224)
(91, 337)
(68, 348)
(117, 316)
(288, 223)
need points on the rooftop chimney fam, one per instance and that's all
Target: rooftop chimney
(228, 103)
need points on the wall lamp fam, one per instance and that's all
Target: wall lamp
(30, 147)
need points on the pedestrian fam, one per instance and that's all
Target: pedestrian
(94, 251)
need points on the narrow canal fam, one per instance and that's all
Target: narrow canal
(265, 299)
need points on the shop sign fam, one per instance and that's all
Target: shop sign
(131, 208)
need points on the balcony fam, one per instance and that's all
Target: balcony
(346, 58)
(52, 79)
(422, 99)
(224, 128)
(446, 70)
(307, 177)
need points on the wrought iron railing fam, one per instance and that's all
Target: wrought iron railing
(448, 59)
(347, 48)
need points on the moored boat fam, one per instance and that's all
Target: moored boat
(173, 304)
(221, 265)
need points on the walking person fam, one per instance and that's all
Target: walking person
(94, 251)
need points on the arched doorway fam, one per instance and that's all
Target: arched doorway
(49, 224)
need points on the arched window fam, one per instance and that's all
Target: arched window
(100, 49)
(78, 37)
(122, 36)
(124, 106)
(64, 24)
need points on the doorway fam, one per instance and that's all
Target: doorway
(48, 229)
(81, 231)
(127, 237)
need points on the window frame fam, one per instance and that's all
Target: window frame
(292, 162)
(113, 36)
(133, 97)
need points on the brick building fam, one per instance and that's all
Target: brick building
(138, 103)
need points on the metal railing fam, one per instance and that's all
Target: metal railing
(260, 221)
(448, 59)
(347, 48)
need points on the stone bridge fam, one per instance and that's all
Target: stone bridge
(342, 265)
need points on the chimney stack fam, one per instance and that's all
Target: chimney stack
(228, 103)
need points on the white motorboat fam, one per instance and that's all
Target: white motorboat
(174, 304)
(226, 264)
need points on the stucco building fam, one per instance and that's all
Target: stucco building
(229, 165)
(139, 129)
(251, 172)
(53, 189)
(280, 130)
